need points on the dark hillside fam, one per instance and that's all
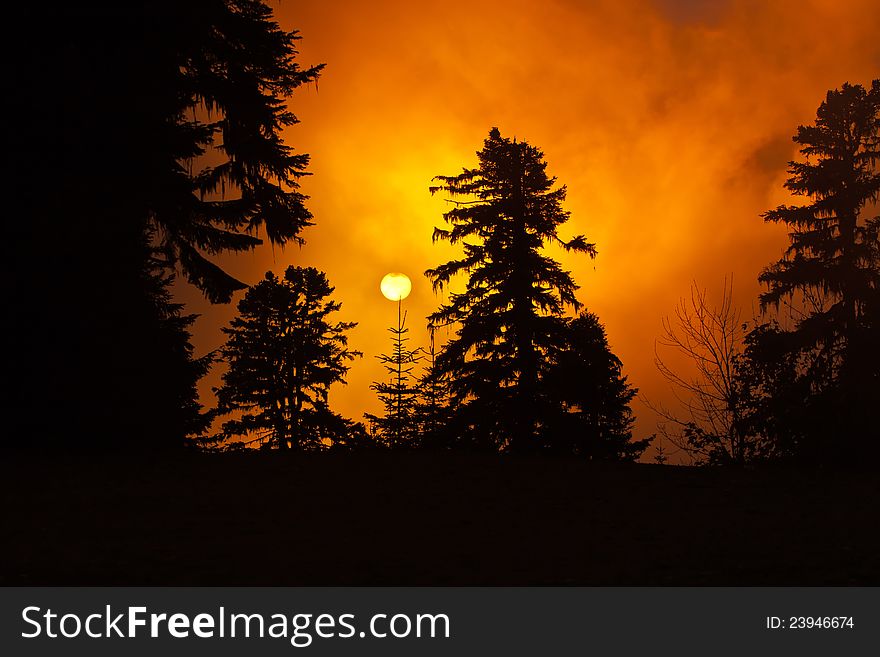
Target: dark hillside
(420, 519)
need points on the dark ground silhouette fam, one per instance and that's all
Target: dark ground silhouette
(386, 518)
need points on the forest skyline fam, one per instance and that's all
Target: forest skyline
(669, 185)
(604, 196)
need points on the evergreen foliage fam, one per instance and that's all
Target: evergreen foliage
(143, 95)
(433, 412)
(510, 314)
(586, 378)
(283, 355)
(398, 427)
(830, 279)
(233, 70)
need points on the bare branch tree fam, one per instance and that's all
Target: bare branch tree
(708, 426)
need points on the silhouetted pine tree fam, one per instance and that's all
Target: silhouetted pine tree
(830, 276)
(510, 313)
(586, 377)
(283, 356)
(355, 436)
(115, 202)
(432, 412)
(778, 406)
(176, 372)
(235, 65)
(398, 427)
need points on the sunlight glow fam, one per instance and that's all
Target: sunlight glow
(396, 286)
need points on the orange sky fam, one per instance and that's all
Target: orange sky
(669, 121)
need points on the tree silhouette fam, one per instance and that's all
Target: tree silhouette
(510, 312)
(711, 426)
(432, 411)
(775, 398)
(235, 66)
(283, 356)
(398, 427)
(175, 372)
(586, 377)
(164, 134)
(830, 275)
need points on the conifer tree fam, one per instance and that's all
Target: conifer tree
(175, 370)
(830, 273)
(398, 426)
(283, 355)
(432, 410)
(239, 66)
(140, 94)
(511, 311)
(586, 377)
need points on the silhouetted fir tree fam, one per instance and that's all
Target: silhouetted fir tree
(283, 356)
(432, 411)
(173, 350)
(398, 426)
(238, 67)
(830, 274)
(356, 437)
(140, 92)
(510, 312)
(586, 377)
(776, 399)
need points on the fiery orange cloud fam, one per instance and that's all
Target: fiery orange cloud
(669, 121)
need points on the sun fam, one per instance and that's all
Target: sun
(396, 286)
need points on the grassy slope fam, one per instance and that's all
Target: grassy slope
(421, 519)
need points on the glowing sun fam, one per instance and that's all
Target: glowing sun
(395, 286)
